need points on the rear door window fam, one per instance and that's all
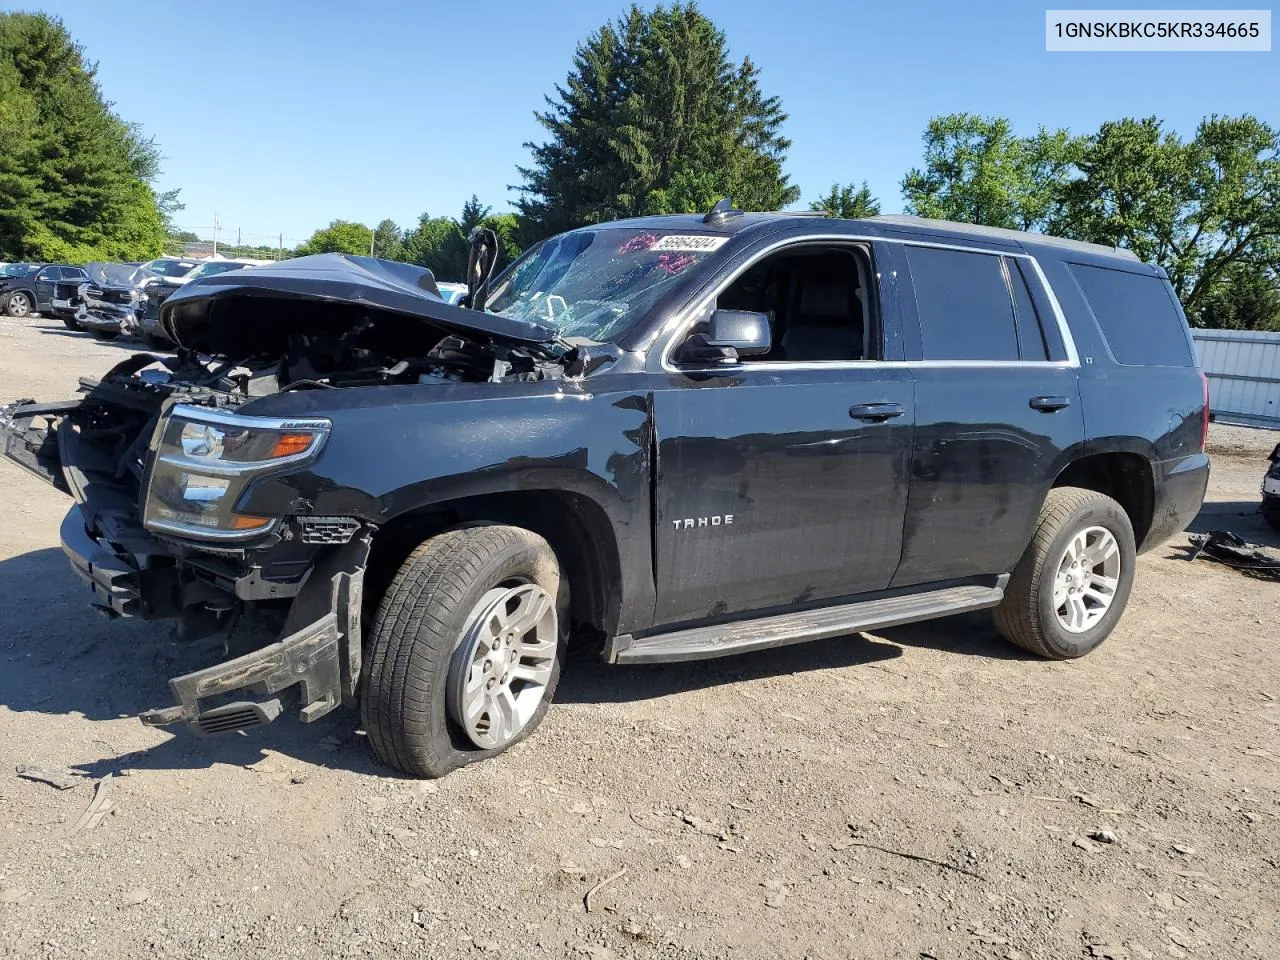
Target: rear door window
(1031, 341)
(963, 303)
(1137, 314)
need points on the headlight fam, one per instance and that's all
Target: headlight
(204, 460)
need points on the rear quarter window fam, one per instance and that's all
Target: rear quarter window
(1137, 314)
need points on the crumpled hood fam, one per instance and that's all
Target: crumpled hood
(118, 275)
(252, 311)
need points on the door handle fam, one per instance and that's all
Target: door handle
(1050, 404)
(876, 412)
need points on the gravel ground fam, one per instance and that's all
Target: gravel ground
(924, 792)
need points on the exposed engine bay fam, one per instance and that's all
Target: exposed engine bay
(163, 453)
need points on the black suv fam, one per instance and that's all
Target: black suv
(681, 436)
(44, 288)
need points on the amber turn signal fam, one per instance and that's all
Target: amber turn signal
(289, 444)
(239, 522)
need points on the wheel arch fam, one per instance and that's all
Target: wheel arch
(1122, 472)
(29, 291)
(576, 526)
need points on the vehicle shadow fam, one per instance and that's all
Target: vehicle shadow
(132, 345)
(970, 634)
(588, 679)
(58, 657)
(1241, 517)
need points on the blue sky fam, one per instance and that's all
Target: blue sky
(282, 115)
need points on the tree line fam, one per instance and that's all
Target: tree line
(655, 117)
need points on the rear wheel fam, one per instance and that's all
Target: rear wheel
(1071, 585)
(71, 323)
(18, 305)
(466, 649)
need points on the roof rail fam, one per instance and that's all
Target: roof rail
(977, 229)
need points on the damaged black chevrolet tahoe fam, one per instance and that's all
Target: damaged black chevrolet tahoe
(680, 437)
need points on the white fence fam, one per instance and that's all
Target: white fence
(1243, 367)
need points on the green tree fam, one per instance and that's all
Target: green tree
(654, 117)
(440, 243)
(386, 240)
(341, 236)
(75, 179)
(1244, 298)
(977, 171)
(1207, 210)
(846, 203)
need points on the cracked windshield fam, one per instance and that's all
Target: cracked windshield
(595, 283)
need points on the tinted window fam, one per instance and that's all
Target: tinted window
(72, 273)
(964, 306)
(1137, 315)
(1030, 336)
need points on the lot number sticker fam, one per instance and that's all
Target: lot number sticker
(692, 243)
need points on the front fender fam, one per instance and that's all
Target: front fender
(397, 450)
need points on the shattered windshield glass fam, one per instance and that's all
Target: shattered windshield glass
(596, 283)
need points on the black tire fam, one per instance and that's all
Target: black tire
(421, 617)
(72, 324)
(19, 304)
(105, 334)
(1026, 616)
(157, 344)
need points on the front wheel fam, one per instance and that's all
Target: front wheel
(1072, 583)
(466, 649)
(18, 305)
(71, 323)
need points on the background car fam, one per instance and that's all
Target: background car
(27, 288)
(158, 290)
(451, 293)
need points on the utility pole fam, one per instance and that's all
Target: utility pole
(215, 233)
(238, 237)
(371, 239)
(281, 256)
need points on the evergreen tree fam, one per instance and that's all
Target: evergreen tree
(74, 177)
(386, 240)
(654, 118)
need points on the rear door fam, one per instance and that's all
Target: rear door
(997, 409)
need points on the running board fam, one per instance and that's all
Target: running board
(723, 639)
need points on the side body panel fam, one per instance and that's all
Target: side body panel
(769, 493)
(1154, 412)
(393, 450)
(983, 459)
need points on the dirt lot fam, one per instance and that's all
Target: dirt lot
(923, 793)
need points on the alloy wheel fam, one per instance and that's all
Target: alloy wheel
(501, 667)
(19, 305)
(1087, 576)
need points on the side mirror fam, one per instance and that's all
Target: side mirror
(730, 334)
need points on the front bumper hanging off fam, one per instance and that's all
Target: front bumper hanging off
(319, 649)
(309, 657)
